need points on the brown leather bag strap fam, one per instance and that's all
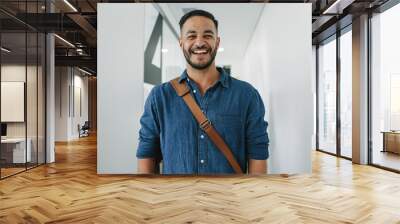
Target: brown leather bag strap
(183, 91)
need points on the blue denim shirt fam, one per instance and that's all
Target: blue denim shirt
(169, 130)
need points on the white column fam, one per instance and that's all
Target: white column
(360, 90)
(50, 99)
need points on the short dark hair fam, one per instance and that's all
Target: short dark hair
(197, 12)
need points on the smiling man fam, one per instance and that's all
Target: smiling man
(170, 132)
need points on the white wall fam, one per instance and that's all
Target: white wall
(67, 81)
(14, 74)
(81, 114)
(62, 80)
(278, 63)
(120, 65)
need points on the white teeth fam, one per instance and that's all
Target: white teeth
(199, 52)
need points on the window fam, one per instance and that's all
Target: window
(385, 89)
(327, 96)
(346, 93)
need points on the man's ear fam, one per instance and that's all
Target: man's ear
(180, 42)
(217, 44)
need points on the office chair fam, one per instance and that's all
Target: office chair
(84, 130)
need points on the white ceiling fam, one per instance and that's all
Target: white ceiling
(236, 24)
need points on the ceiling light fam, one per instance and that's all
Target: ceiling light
(221, 49)
(84, 71)
(70, 5)
(331, 7)
(337, 7)
(5, 50)
(164, 50)
(64, 40)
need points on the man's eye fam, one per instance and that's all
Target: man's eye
(191, 37)
(208, 36)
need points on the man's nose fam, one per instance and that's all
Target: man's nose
(199, 43)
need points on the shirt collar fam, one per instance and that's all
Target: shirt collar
(223, 78)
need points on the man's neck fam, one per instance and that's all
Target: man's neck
(203, 78)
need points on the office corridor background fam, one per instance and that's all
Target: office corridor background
(70, 191)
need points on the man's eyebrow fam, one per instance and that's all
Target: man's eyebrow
(194, 32)
(190, 32)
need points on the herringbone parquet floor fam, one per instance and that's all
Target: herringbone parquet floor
(70, 191)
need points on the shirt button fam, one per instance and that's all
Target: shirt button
(201, 161)
(194, 91)
(201, 136)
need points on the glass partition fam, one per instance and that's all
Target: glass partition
(13, 95)
(327, 96)
(22, 77)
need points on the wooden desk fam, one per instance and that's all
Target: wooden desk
(13, 150)
(391, 141)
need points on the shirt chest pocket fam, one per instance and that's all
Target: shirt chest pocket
(231, 129)
(229, 120)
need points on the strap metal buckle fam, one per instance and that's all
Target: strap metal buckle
(205, 125)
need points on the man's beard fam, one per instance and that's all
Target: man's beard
(199, 66)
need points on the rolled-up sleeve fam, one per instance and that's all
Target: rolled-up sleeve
(149, 133)
(257, 140)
